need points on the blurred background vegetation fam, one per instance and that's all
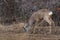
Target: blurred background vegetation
(20, 10)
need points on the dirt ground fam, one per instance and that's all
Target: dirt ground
(16, 32)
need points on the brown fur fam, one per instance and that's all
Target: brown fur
(40, 15)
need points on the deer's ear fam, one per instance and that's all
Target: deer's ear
(50, 13)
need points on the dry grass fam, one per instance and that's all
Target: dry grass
(15, 32)
(12, 28)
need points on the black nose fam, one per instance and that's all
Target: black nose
(24, 29)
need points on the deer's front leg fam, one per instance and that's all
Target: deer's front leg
(29, 25)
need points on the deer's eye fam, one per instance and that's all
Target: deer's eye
(50, 13)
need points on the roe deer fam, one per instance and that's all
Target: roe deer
(43, 14)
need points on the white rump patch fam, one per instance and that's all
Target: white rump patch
(50, 13)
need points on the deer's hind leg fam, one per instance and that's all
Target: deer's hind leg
(49, 21)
